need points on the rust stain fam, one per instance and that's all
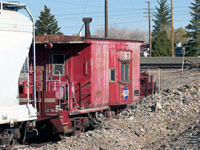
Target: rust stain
(98, 93)
(56, 39)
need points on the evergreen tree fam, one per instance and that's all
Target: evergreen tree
(47, 23)
(161, 44)
(162, 16)
(160, 37)
(193, 30)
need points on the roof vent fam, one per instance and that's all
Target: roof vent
(87, 27)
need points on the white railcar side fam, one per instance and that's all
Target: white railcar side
(16, 36)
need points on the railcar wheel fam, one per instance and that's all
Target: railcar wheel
(7, 139)
(59, 136)
(12, 140)
(80, 124)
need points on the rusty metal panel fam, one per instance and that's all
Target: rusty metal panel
(100, 74)
(135, 47)
(80, 75)
(121, 91)
(87, 70)
(100, 68)
(113, 64)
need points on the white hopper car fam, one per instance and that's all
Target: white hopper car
(16, 37)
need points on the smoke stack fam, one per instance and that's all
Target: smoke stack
(87, 27)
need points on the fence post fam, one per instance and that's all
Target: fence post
(159, 80)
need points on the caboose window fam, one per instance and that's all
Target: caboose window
(58, 65)
(112, 75)
(124, 72)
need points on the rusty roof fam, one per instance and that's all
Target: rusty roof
(111, 39)
(62, 39)
(58, 39)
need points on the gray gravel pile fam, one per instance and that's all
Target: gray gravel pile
(161, 121)
(189, 139)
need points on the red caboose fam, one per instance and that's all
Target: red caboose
(77, 77)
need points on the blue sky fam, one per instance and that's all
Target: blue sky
(123, 13)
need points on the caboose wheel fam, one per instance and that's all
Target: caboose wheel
(79, 127)
(80, 124)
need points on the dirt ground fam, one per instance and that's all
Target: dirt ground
(168, 78)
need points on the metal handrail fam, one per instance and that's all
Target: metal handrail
(59, 77)
(1, 7)
(34, 58)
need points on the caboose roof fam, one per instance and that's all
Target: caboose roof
(58, 39)
(63, 39)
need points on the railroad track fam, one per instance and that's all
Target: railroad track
(189, 139)
(169, 62)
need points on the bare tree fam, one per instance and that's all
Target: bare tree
(180, 36)
(139, 35)
(116, 32)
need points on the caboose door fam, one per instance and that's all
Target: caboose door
(120, 72)
(61, 74)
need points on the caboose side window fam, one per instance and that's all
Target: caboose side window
(124, 72)
(112, 75)
(58, 65)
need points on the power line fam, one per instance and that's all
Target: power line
(113, 15)
(71, 14)
(66, 3)
(76, 4)
(117, 23)
(116, 15)
(83, 11)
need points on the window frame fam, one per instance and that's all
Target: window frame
(112, 81)
(54, 64)
(123, 72)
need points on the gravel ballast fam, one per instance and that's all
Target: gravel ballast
(167, 120)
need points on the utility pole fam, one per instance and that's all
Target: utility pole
(106, 18)
(149, 19)
(172, 29)
(149, 16)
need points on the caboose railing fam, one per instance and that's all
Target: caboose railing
(71, 95)
(49, 81)
(34, 58)
(80, 89)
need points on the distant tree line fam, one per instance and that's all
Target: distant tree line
(116, 32)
